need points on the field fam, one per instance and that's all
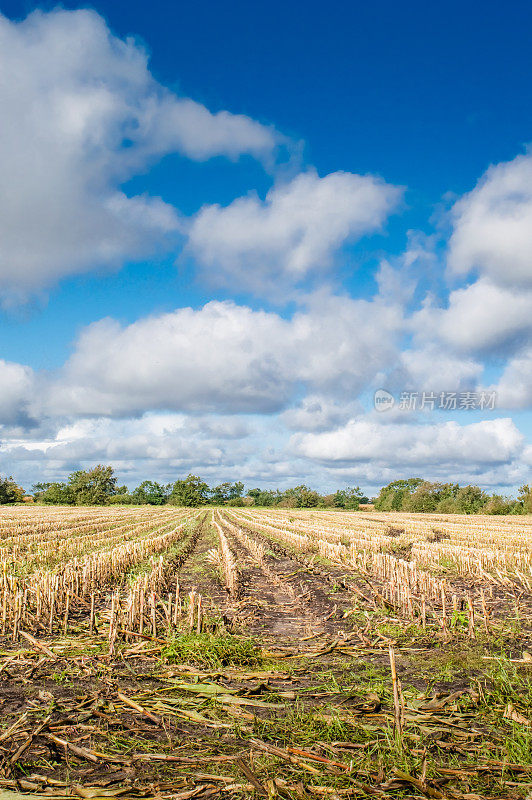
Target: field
(191, 653)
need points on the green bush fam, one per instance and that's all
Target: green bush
(121, 500)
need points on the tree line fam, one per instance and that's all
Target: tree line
(99, 486)
(416, 494)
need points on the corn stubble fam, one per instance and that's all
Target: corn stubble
(146, 583)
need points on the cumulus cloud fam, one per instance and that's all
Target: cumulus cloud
(485, 317)
(316, 413)
(226, 357)
(164, 446)
(451, 344)
(493, 225)
(486, 443)
(81, 114)
(431, 368)
(17, 385)
(161, 446)
(149, 437)
(220, 357)
(398, 276)
(294, 232)
(514, 388)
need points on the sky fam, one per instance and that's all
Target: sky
(258, 242)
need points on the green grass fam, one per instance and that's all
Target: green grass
(518, 745)
(505, 683)
(304, 728)
(446, 565)
(212, 651)
(403, 634)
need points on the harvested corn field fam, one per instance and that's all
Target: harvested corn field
(177, 653)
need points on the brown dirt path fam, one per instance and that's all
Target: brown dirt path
(288, 600)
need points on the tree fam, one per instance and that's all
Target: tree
(151, 493)
(10, 492)
(392, 496)
(38, 490)
(309, 498)
(300, 497)
(428, 496)
(470, 499)
(497, 504)
(349, 498)
(93, 486)
(236, 491)
(55, 494)
(447, 506)
(122, 499)
(525, 498)
(191, 491)
(225, 492)
(220, 494)
(264, 497)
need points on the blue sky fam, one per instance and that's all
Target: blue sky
(342, 201)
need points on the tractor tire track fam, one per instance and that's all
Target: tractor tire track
(294, 603)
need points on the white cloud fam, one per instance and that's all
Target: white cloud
(221, 357)
(161, 446)
(317, 413)
(492, 316)
(485, 316)
(371, 476)
(493, 225)
(514, 389)
(431, 368)
(479, 321)
(527, 456)
(295, 231)
(164, 446)
(147, 438)
(486, 443)
(17, 385)
(398, 276)
(81, 114)
(225, 357)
